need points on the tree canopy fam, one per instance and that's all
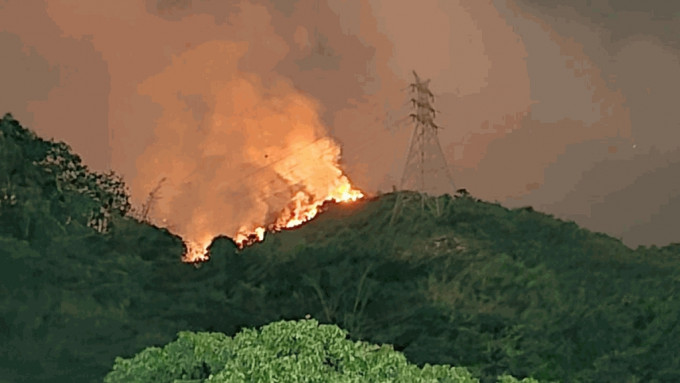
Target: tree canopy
(286, 351)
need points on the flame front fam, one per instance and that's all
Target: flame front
(196, 252)
(303, 209)
(345, 193)
(245, 237)
(315, 166)
(314, 170)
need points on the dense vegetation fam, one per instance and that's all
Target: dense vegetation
(285, 352)
(465, 283)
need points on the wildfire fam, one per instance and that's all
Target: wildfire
(196, 252)
(241, 154)
(304, 209)
(246, 237)
(301, 209)
(345, 193)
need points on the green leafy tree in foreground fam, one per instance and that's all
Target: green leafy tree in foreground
(285, 351)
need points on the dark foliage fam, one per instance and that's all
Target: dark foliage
(446, 280)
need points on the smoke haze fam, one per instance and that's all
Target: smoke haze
(241, 105)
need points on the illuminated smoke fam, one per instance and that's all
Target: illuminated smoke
(531, 95)
(260, 156)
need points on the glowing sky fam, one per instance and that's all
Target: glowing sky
(571, 109)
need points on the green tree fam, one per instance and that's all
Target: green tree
(285, 351)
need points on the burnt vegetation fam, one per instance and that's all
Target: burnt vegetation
(470, 283)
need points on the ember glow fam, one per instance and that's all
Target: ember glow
(301, 209)
(196, 252)
(303, 178)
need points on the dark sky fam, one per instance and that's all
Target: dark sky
(573, 109)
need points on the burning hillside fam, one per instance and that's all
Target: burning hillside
(257, 158)
(302, 208)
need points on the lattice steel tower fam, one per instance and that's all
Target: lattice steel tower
(425, 170)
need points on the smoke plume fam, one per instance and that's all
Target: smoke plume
(568, 108)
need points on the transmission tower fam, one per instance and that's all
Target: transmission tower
(425, 170)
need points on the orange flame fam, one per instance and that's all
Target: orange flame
(195, 252)
(300, 211)
(246, 237)
(241, 154)
(303, 210)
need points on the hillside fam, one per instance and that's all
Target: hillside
(479, 286)
(475, 285)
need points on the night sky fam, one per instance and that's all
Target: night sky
(572, 109)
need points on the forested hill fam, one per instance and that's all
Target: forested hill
(456, 281)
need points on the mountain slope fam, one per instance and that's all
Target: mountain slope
(475, 285)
